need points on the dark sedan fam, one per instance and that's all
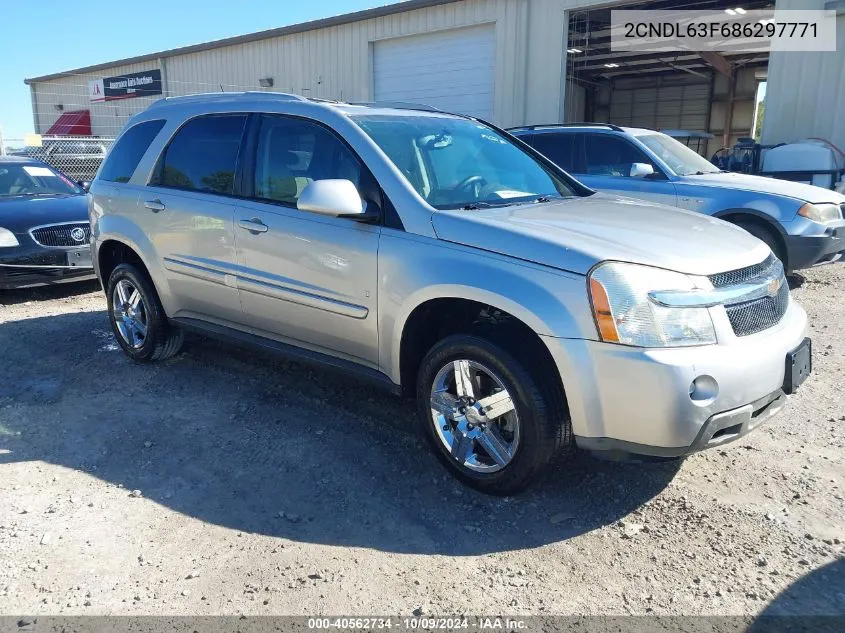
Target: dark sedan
(44, 230)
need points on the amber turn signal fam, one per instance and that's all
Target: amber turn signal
(602, 313)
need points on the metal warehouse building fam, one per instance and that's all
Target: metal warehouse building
(514, 62)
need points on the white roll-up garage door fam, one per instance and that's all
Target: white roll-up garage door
(450, 70)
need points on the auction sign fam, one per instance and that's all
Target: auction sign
(143, 84)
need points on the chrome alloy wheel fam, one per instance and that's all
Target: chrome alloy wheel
(474, 416)
(130, 313)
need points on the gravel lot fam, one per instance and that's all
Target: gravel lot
(227, 481)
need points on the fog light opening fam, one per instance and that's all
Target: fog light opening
(703, 390)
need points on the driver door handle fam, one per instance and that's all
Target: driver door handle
(154, 205)
(255, 225)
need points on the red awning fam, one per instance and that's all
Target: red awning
(76, 123)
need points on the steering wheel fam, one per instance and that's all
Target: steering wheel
(471, 181)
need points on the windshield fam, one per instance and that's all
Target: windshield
(459, 163)
(22, 179)
(680, 158)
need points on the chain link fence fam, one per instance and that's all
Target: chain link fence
(78, 157)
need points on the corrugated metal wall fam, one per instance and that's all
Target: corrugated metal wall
(678, 101)
(336, 62)
(805, 92)
(71, 93)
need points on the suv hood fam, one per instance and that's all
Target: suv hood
(577, 233)
(760, 184)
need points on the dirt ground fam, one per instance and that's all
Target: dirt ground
(227, 481)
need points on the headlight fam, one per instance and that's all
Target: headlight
(625, 314)
(7, 238)
(820, 212)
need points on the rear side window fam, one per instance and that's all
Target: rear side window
(203, 155)
(128, 151)
(556, 147)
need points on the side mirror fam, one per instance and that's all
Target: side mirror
(85, 184)
(641, 170)
(337, 198)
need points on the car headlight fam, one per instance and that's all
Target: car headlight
(625, 314)
(820, 212)
(7, 238)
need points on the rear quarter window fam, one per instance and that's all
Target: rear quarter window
(127, 152)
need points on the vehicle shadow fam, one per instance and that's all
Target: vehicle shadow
(47, 293)
(795, 280)
(814, 603)
(245, 440)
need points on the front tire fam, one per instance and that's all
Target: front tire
(487, 418)
(137, 317)
(766, 236)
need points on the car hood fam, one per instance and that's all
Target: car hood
(760, 184)
(21, 214)
(576, 233)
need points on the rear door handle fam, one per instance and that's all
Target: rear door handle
(154, 205)
(255, 225)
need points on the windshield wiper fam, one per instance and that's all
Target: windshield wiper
(546, 198)
(475, 206)
(481, 204)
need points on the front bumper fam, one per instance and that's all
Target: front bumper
(638, 400)
(717, 430)
(806, 250)
(34, 265)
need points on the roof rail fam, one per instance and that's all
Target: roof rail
(615, 128)
(206, 96)
(396, 105)
(281, 96)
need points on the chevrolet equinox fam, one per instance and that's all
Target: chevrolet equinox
(443, 258)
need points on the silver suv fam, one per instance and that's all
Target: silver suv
(436, 255)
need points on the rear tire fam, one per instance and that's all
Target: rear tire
(534, 432)
(137, 316)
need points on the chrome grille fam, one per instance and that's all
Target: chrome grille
(62, 234)
(750, 317)
(760, 314)
(741, 275)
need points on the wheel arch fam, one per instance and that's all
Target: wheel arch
(764, 220)
(435, 318)
(113, 249)
(113, 252)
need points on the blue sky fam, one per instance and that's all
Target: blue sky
(40, 38)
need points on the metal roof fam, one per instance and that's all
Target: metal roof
(337, 20)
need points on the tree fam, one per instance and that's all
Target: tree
(219, 182)
(758, 126)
